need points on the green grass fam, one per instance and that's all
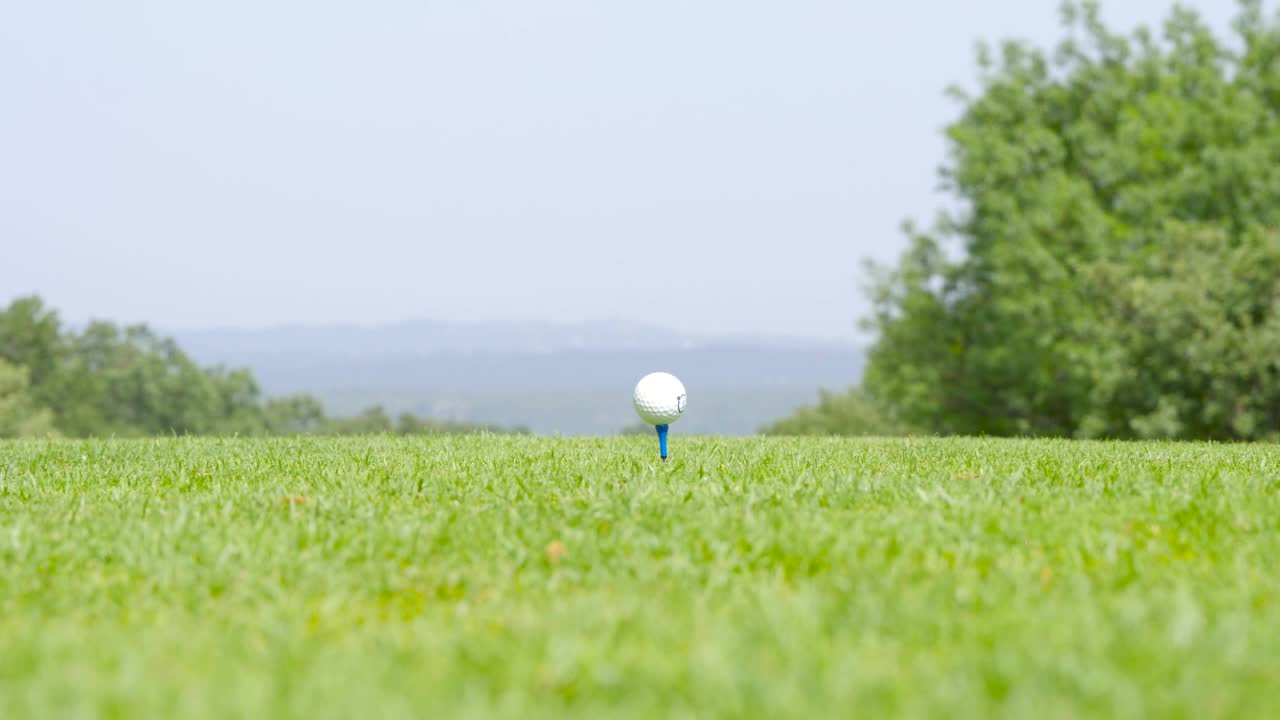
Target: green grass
(411, 578)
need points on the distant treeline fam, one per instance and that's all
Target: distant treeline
(126, 381)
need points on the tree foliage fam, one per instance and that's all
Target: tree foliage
(1112, 267)
(19, 415)
(108, 380)
(849, 413)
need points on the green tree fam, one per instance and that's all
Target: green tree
(1104, 273)
(293, 415)
(111, 380)
(371, 421)
(31, 337)
(19, 415)
(1195, 348)
(638, 427)
(239, 408)
(849, 413)
(129, 381)
(141, 384)
(410, 424)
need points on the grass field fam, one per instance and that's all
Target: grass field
(524, 577)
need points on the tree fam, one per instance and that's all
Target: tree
(31, 338)
(293, 415)
(1105, 273)
(19, 415)
(129, 381)
(638, 427)
(1195, 351)
(371, 421)
(410, 424)
(133, 382)
(849, 413)
(239, 408)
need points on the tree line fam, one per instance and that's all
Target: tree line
(1111, 267)
(128, 381)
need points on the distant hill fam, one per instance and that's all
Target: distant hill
(568, 379)
(430, 336)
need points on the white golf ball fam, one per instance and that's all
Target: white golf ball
(659, 398)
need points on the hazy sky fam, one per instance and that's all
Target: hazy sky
(716, 166)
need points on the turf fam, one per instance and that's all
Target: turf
(521, 577)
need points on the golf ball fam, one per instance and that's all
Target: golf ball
(659, 398)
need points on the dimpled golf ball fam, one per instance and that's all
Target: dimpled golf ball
(659, 398)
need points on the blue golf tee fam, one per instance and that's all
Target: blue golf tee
(662, 440)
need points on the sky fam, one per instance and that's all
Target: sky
(712, 166)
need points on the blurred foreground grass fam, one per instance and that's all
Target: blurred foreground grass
(526, 577)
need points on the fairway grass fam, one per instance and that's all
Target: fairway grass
(452, 577)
